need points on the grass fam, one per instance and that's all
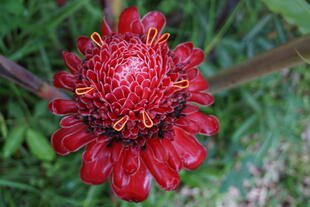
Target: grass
(261, 122)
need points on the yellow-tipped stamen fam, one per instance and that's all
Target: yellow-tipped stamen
(120, 124)
(164, 38)
(146, 117)
(96, 38)
(181, 84)
(151, 35)
(82, 91)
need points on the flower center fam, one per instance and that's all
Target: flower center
(131, 90)
(131, 66)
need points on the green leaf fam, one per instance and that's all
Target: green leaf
(14, 140)
(16, 185)
(244, 128)
(296, 12)
(267, 143)
(39, 145)
(3, 127)
(40, 108)
(15, 110)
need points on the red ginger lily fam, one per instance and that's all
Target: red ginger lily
(132, 107)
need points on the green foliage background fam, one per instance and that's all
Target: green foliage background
(261, 122)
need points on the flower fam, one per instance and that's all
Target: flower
(132, 106)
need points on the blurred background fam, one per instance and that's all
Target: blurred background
(261, 157)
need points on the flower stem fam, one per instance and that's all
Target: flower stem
(287, 55)
(27, 80)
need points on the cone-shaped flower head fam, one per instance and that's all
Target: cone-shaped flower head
(132, 106)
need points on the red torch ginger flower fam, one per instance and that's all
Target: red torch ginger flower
(132, 107)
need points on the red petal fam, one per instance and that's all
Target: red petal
(58, 137)
(166, 177)
(56, 140)
(78, 139)
(119, 177)
(131, 186)
(192, 74)
(204, 99)
(94, 148)
(116, 151)
(158, 149)
(174, 159)
(105, 28)
(137, 27)
(196, 58)
(127, 17)
(190, 109)
(183, 51)
(131, 161)
(188, 125)
(64, 80)
(209, 125)
(190, 150)
(96, 170)
(69, 121)
(72, 61)
(84, 44)
(198, 84)
(154, 19)
(62, 107)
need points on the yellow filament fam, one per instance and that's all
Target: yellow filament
(145, 116)
(164, 38)
(94, 39)
(150, 38)
(122, 124)
(180, 84)
(82, 91)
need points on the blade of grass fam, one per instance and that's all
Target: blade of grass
(91, 195)
(20, 186)
(217, 38)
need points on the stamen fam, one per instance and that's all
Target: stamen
(120, 124)
(82, 91)
(164, 38)
(181, 84)
(146, 118)
(151, 35)
(96, 38)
